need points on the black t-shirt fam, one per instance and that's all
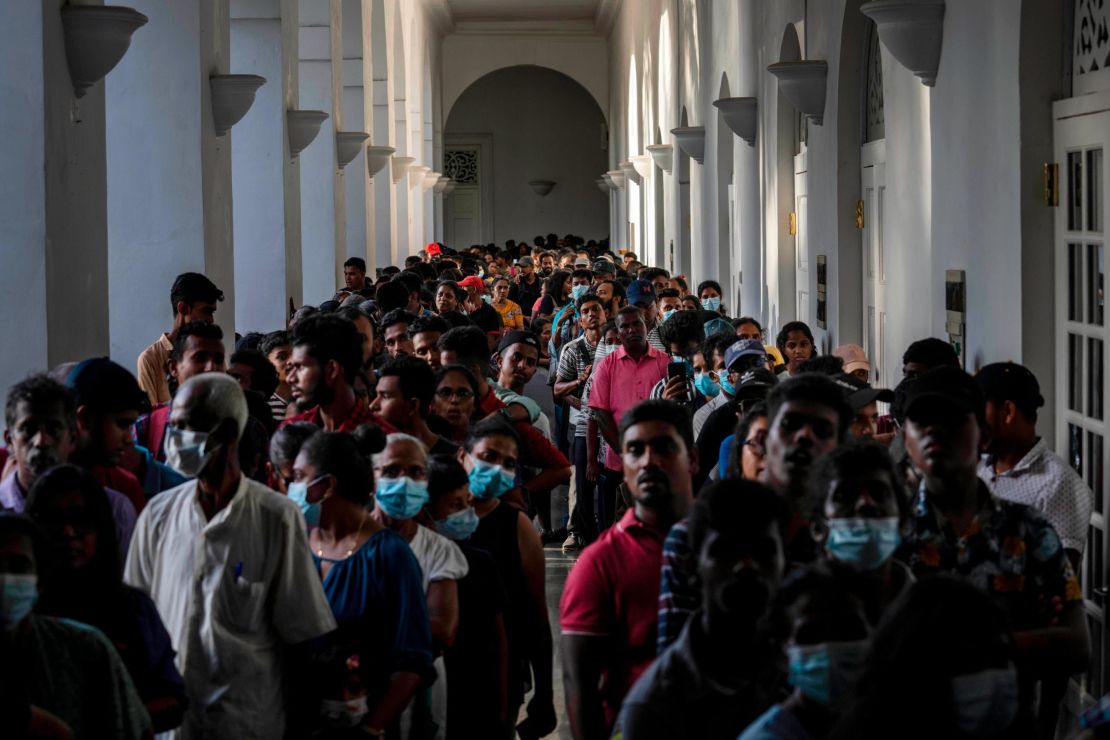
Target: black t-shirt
(473, 667)
(525, 294)
(721, 423)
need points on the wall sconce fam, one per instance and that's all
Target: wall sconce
(803, 84)
(912, 30)
(96, 38)
(617, 178)
(740, 115)
(602, 185)
(663, 154)
(400, 167)
(347, 146)
(630, 172)
(304, 125)
(232, 97)
(416, 174)
(541, 187)
(691, 139)
(377, 157)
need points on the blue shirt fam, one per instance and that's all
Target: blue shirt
(775, 724)
(377, 597)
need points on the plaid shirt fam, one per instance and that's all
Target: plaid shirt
(679, 586)
(576, 355)
(359, 415)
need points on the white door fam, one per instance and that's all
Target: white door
(463, 217)
(1081, 140)
(873, 176)
(801, 236)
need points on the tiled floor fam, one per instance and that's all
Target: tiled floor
(558, 565)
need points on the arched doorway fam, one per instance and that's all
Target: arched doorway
(514, 126)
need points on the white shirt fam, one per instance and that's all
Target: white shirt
(232, 593)
(702, 415)
(1045, 482)
(440, 559)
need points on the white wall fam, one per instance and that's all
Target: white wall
(543, 126)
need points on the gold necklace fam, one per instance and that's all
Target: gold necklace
(351, 549)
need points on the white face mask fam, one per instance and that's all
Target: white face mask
(185, 451)
(985, 702)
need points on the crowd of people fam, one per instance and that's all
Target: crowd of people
(336, 528)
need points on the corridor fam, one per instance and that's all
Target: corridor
(882, 188)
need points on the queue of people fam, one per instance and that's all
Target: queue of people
(336, 528)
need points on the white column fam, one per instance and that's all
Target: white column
(169, 177)
(747, 178)
(379, 134)
(359, 205)
(53, 230)
(317, 162)
(267, 254)
(703, 258)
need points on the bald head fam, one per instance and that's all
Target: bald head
(204, 401)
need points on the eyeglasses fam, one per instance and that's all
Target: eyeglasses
(463, 394)
(757, 444)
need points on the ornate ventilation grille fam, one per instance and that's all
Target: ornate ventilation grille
(461, 165)
(1091, 50)
(876, 119)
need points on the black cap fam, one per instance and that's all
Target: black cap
(1009, 381)
(519, 337)
(944, 389)
(755, 384)
(859, 393)
(107, 387)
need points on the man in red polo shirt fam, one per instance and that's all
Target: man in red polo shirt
(610, 601)
(621, 380)
(327, 353)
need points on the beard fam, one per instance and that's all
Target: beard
(653, 490)
(318, 395)
(39, 460)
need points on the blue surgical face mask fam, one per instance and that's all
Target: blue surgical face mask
(726, 385)
(401, 498)
(298, 494)
(668, 313)
(486, 298)
(985, 702)
(577, 291)
(863, 542)
(18, 594)
(826, 672)
(460, 525)
(706, 385)
(489, 481)
(711, 304)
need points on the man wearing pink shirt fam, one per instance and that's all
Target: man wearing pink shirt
(622, 380)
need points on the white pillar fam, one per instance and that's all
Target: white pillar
(265, 179)
(54, 285)
(358, 194)
(703, 258)
(169, 177)
(747, 178)
(317, 162)
(379, 134)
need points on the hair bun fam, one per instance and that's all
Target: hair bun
(369, 438)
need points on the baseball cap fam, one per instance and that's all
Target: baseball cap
(743, 348)
(774, 353)
(854, 357)
(755, 384)
(519, 337)
(581, 262)
(525, 261)
(473, 281)
(859, 393)
(1009, 381)
(945, 389)
(640, 292)
(433, 249)
(105, 386)
(606, 266)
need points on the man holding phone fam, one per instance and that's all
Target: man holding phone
(683, 333)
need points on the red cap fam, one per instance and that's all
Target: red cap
(432, 249)
(472, 282)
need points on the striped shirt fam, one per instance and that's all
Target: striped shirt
(575, 357)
